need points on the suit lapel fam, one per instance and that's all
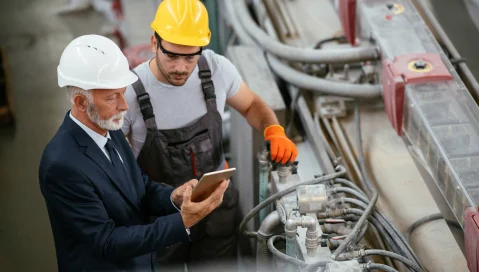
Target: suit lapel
(95, 154)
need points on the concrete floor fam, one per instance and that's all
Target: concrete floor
(35, 37)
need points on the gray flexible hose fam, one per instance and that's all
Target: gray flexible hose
(432, 217)
(233, 19)
(349, 184)
(379, 227)
(290, 53)
(367, 178)
(280, 254)
(361, 159)
(300, 79)
(375, 266)
(390, 228)
(320, 85)
(361, 234)
(357, 227)
(394, 256)
(349, 191)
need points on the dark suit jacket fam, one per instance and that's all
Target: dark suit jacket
(99, 223)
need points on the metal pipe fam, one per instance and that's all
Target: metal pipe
(263, 180)
(323, 86)
(361, 159)
(300, 54)
(269, 223)
(264, 233)
(287, 19)
(311, 234)
(280, 254)
(345, 145)
(329, 149)
(375, 266)
(340, 171)
(277, 22)
(283, 173)
(336, 228)
(290, 227)
(290, 231)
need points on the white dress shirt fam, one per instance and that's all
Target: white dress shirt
(100, 140)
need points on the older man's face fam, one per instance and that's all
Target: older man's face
(108, 108)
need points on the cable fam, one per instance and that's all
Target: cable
(269, 200)
(375, 266)
(367, 180)
(339, 39)
(421, 221)
(349, 191)
(379, 227)
(361, 160)
(390, 228)
(394, 256)
(349, 184)
(280, 254)
(357, 227)
(358, 238)
(426, 219)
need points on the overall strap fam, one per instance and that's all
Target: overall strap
(205, 76)
(146, 108)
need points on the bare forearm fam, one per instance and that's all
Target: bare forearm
(259, 115)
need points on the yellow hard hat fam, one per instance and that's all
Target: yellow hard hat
(182, 22)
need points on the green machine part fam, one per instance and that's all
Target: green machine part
(212, 8)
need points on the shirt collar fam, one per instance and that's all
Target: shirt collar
(100, 140)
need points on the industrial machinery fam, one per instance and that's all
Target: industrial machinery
(383, 111)
(322, 212)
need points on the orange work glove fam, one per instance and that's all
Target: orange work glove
(281, 148)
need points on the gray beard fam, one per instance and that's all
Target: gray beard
(109, 124)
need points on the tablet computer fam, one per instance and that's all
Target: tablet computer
(209, 182)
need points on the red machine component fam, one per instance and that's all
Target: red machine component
(471, 238)
(138, 54)
(347, 15)
(408, 69)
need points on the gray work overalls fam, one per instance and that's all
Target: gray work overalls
(175, 156)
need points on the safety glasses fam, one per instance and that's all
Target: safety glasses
(174, 57)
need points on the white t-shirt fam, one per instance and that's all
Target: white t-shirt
(176, 107)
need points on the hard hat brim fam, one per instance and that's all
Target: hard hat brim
(126, 80)
(187, 41)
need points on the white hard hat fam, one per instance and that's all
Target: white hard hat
(94, 62)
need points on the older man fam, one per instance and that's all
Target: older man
(98, 199)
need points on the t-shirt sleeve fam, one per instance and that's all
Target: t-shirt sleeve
(231, 76)
(128, 120)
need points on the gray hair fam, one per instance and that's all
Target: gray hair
(72, 91)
